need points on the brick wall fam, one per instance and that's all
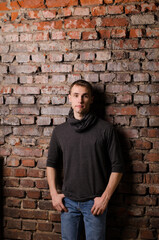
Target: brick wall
(45, 45)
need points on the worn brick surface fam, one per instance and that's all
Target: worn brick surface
(44, 47)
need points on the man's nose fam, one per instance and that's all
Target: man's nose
(80, 99)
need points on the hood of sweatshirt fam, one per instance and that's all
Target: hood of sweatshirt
(81, 125)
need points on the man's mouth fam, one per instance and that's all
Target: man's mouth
(79, 106)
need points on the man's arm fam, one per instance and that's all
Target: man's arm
(56, 197)
(101, 203)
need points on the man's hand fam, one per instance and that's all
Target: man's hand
(58, 203)
(100, 204)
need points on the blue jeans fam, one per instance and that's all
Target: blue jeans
(95, 226)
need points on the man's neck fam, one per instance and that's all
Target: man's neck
(79, 116)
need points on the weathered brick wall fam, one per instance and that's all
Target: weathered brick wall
(44, 46)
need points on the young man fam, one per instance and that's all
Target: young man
(92, 166)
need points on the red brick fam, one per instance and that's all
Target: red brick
(34, 14)
(57, 227)
(48, 25)
(3, 6)
(153, 212)
(5, 90)
(65, 11)
(118, 9)
(42, 184)
(118, 33)
(45, 205)
(20, 172)
(16, 224)
(156, 145)
(122, 44)
(141, 200)
(89, 35)
(152, 157)
(141, 144)
(14, 5)
(114, 22)
(124, 98)
(46, 195)
(43, 36)
(28, 162)
(29, 225)
(152, 32)
(135, 33)
(121, 111)
(139, 166)
(55, 217)
(145, 7)
(25, 235)
(150, 110)
(147, 234)
(149, 43)
(127, 1)
(46, 236)
(151, 178)
(46, 227)
(141, 99)
(13, 202)
(58, 35)
(27, 152)
(28, 120)
(74, 35)
(61, 3)
(34, 214)
(12, 182)
(90, 2)
(31, 4)
(151, 133)
(31, 204)
(11, 212)
(153, 121)
(27, 183)
(98, 11)
(49, 14)
(36, 173)
(79, 23)
(25, 111)
(7, 172)
(104, 33)
(4, 151)
(14, 193)
(14, 16)
(34, 194)
(132, 9)
(154, 189)
(26, 131)
(154, 167)
(108, 1)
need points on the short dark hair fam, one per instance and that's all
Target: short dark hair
(82, 83)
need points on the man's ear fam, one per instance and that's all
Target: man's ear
(69, 98)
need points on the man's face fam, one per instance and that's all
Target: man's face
(80, 99)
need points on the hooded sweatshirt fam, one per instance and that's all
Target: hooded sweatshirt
(89, 150)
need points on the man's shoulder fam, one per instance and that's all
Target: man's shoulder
(61, 126)
(104, 124)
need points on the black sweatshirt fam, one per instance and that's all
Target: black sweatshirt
(90, 151)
